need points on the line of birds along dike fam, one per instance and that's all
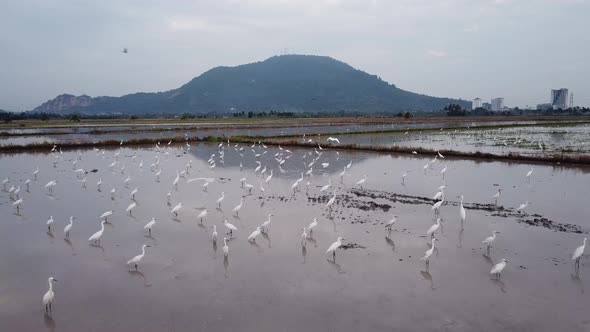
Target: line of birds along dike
(331, 143)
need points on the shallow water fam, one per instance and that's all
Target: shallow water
(101, 133)
(185, 284)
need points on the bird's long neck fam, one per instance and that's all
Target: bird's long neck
(102, 227)
(461, 201)
(143, 250)
(50, 286)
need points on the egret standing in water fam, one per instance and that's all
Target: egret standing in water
(49, 295)
(202, 215)
(68, 227)
(312, 225)
(362, 181)
(131, 207)
(528, 175)
(428, 253)
(303, 238)
(17, 203)
(176, 209)
(220, 199)
(331, 202)
(149, 226)
(230, 227)
(266, 224)
(488, 241)
(334, 246)
(498, 268)
(578, 254)
(106, 215)
(390, 223)
(214, 235)
(253, 235)
(238, 207)
(49, 223)
(135, 260)
(96, 236)
(522, 206)
(430, 232)
(225, 247)
(462, 210)
(50, 185)
(497, 195)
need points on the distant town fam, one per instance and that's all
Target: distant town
(559, 99)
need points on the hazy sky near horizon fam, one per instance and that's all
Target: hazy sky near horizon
(517, 49)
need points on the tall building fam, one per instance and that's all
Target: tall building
(559, 98)
(476, 103)
(486, 106)
(497, 104)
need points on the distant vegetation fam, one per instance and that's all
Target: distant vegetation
(298, 85)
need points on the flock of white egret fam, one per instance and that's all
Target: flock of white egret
(117, 163)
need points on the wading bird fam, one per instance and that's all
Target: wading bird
(578, 254)
(254, 234)
(231, 227)
(135, 260)
(149, 226)
(98, 235)
(334, 246)
(428, 253)
(49, 295)
(68, 227)
(498, 268)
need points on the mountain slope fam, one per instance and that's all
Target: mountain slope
(289, 82)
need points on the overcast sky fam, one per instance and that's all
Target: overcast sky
(517, 49)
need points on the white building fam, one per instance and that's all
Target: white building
(476, 103)
(497, 104)
(559, 98)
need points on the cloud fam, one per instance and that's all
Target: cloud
(437, 53)
(189, 24)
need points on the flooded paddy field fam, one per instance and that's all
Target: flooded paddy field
(376, 282)
(96, 133)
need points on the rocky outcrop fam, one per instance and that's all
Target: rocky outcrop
(64, 103)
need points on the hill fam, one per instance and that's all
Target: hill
(283, 83)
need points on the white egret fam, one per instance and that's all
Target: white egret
(436, 206)
(578, 254)
(225, 247)
(131, 207)
(49, 223)
(428, 253)
(438, 195)
(202, 215)
(349, 165)
(266, 224)
(443, 171)
(168, 196)
(334, 246)
(214, 235)
(333, 139)
(220, 199)
(27, 183)
(390, 223)
(98, 184)
(238, 207)
(430, 232)
(175, 182)
(326, 187)
(17, 203)
(96, 236)
(498, 268)
(49, 295)
(36, 172)
(404, 177)
(50, 185)
(331, 201)
(68, 227)
(135, 260)
(106, 215)
(113, 191)
(342, 174)
(528, 174)
(133, 192)
(362, 181)
(462, 210)
(176, 209)
(522, 206)
(242, 180)
(229, 226)
(269, 177)
(149, 226)
(303, 238)
(497, 195)
(312, 225)
(254, 234)
(488, 240)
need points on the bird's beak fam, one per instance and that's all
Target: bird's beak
(149, 246)
(54, 279)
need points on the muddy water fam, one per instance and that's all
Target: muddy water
(380, 284)
(16, 136)
(533, 140)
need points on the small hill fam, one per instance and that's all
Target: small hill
(284, 83)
